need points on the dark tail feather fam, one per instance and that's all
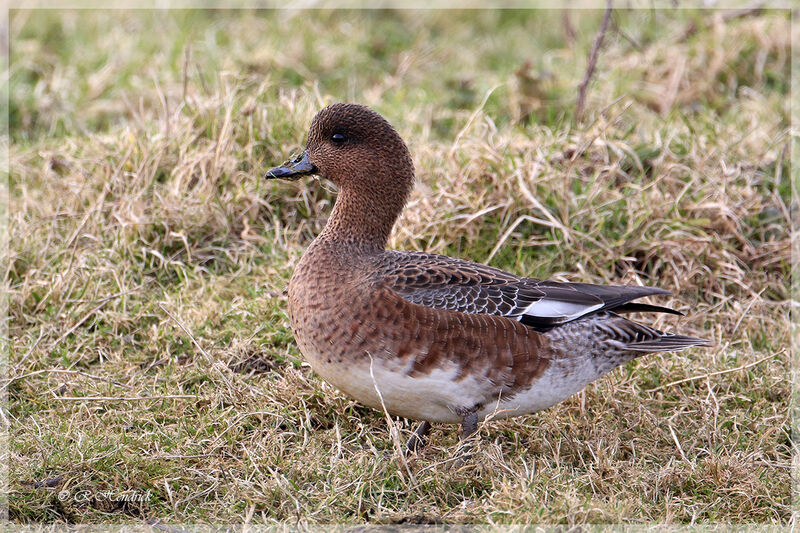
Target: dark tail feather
(635, 307)
(613, 296)
(668, 343)
(637, 337)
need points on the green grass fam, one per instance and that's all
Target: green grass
(149, 341)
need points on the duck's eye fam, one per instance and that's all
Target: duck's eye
(338, 138)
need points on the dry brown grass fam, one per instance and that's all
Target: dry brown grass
(149, 340)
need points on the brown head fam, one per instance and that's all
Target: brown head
(363, 155)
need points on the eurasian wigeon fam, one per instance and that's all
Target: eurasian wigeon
(434, 338)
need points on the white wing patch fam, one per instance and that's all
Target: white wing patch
(559, 308)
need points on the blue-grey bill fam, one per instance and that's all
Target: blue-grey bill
(294, 168)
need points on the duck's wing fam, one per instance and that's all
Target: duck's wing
(446, 283)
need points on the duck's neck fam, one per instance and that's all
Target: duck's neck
(362, 221)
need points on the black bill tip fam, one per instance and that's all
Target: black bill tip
(294, 168)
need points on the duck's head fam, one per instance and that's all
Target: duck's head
(358, 150)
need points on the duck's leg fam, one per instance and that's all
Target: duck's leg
(417, 439)
(469, 426)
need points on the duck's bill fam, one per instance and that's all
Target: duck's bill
(293, 169)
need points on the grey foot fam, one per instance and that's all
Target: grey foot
(417, 439)
(469, 426)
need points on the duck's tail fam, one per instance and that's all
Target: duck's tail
(668, 342)
(602, 341)
(643, 339)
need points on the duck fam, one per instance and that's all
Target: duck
(433, 338)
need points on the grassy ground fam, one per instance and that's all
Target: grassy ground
(150, 349)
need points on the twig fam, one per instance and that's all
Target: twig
(702, 376)
(525, 218)
(32, 348)
(677, 442)
(746, 310)
(392, 427)
(592, 61)
(673, 85)
(622, 33)
(164, 104)
(185, 330)
(159, 457)
(569, 29)
(99, 201)
(59, 371)
(202, 79)
(99, 306)
(186, 55)
(751, 11)
(238, 419)
(123, 398)
(538, 205)
(472, 119)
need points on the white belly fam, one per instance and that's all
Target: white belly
(435, 396)
(557, 383)
(439, 396)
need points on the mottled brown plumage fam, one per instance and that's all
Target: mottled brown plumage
(430, 337)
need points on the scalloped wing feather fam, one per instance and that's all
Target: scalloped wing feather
(446, 283)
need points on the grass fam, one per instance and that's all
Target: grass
(150, 351)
